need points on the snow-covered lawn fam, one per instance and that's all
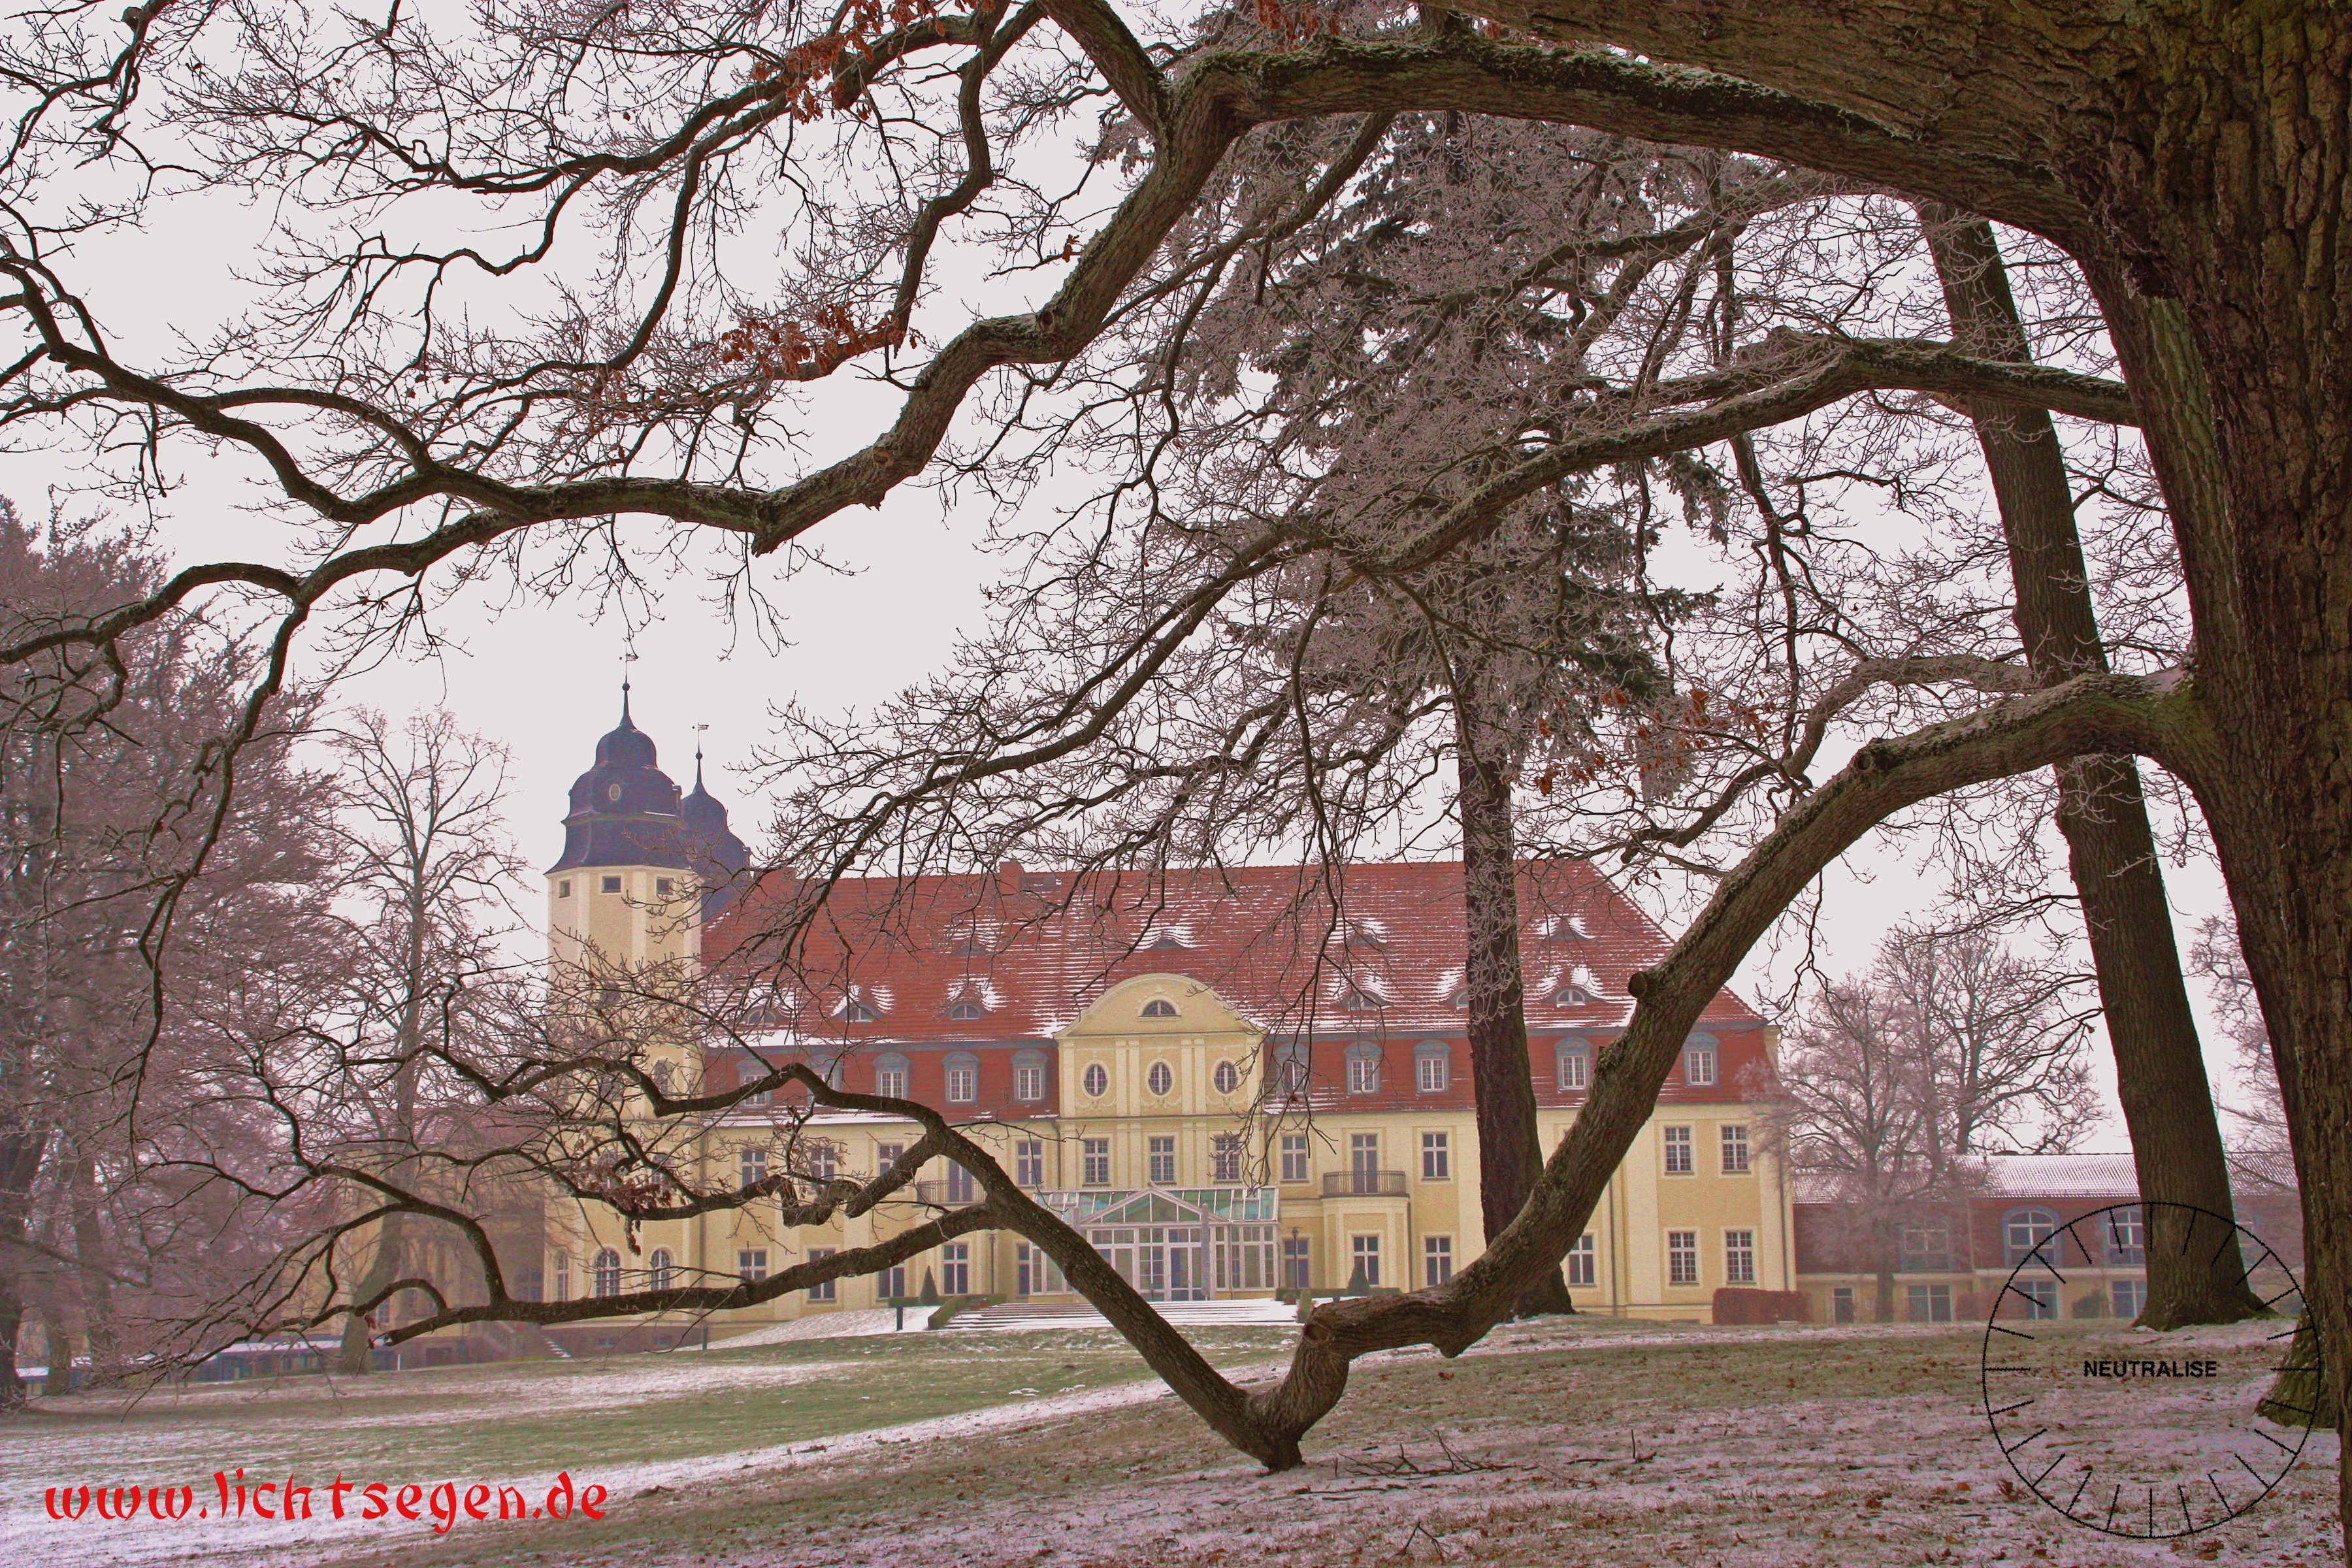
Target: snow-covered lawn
(1585, 1442)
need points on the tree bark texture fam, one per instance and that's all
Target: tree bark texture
(2160, 1077)
(1510, 1146)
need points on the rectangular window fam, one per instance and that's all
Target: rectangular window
(1366, 1274)
(751, 1264)
(1159, 1162)
(1094, 1161)
(1432, 1072)
(1682, 1257)
(562, 1274)
(1735, 1150)
(2130, 1297)
(1363, 1073)
(2126, 1240)
(963, 1085)
(1033, 1273)
(886, 1155)
(612, 884)
(564, 888)
(963, 1186)
(890, 1083)
(664, 886)
(2041, 1296)
(1029, 1083)
(1678, 1151)
(1293, 1157)
(1225, 1157)
(1925, 1248)
(1436, 1259)
(1739, 1258)
(890, 1285)
(1029, 1162)
(1575, 1068)
(1698, 1065)
(751, 1165)
(955, 1268)
(823, 1291)
(1582, 1259)
(1364, 1161)
(1296, 1262)
(1842, 1304)
(1930, 1303)
(1436, 1158)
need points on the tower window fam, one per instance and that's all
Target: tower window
(612, 884)
(665, 886)
(564, 888)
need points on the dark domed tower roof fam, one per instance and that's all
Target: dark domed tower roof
(625, 809)
(718, 857)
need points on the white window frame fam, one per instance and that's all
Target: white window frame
(1737, 1159)
(1159, 1162)
(1682, 1260)
(1297, 1160)
(1029, 1164)
(1739, 1258)
(1436, 1157)
(1094, 1162)
(1573, 1064)
(1699, 1065)
(1583, 1263)
(1159, 1078)
(1226, 1077)
(823, 1289)
(963, 1079)
(1436, 1260)
(1678, 1147)
(1095, 1080)
(1364, 1250)
(955, 1268)
(1225, 1157)
(750, 1264)
(1363, 1070)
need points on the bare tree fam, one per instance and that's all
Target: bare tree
(655, 387)
(1901, 1080)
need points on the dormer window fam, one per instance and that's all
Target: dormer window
(856, 1012)
(1160, 1008)
(1571, 995)
(964, 1010)
(1459, 995)
(1363, 934)
(1565, 928)
(1360, 999)
(1167, 938)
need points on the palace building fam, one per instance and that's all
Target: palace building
(1235, 1082)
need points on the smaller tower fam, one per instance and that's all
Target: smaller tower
(717, 858)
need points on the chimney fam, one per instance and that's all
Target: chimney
(1008, 876)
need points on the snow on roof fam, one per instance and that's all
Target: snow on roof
(1257, 935)
(2062, 1176)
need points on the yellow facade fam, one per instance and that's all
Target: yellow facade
(1159, 1093)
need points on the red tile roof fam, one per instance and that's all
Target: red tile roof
(1284, 947)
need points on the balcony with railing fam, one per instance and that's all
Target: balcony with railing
(1363, 1185)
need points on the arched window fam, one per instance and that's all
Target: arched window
(856, 1010)
(1574, 1060)
(1433, 1066)
(1226, 1077)
(1571, 995)
(1160, 1008)
(967, 1006)
(1700, 1061)
(963, 1078)
(1364, 1067)
(658, 1272)
(1161, 1079)
(1095, 1080)
(890, 1075)
(2023, 1230)
(1029, 1069)
(605, 1274)
(1360, 999)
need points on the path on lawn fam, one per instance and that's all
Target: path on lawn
(1568, 1442)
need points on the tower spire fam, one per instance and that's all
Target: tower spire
(629, 657)
(699, 728)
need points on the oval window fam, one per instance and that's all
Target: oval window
(1095, 1081)
(1160, 1079)
(613, 792)
(1227, 1078)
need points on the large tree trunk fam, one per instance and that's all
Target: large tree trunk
(1510, 1149)
(2168, 1104)
(20, 1157)
(356, 1354)
(94, 1275)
